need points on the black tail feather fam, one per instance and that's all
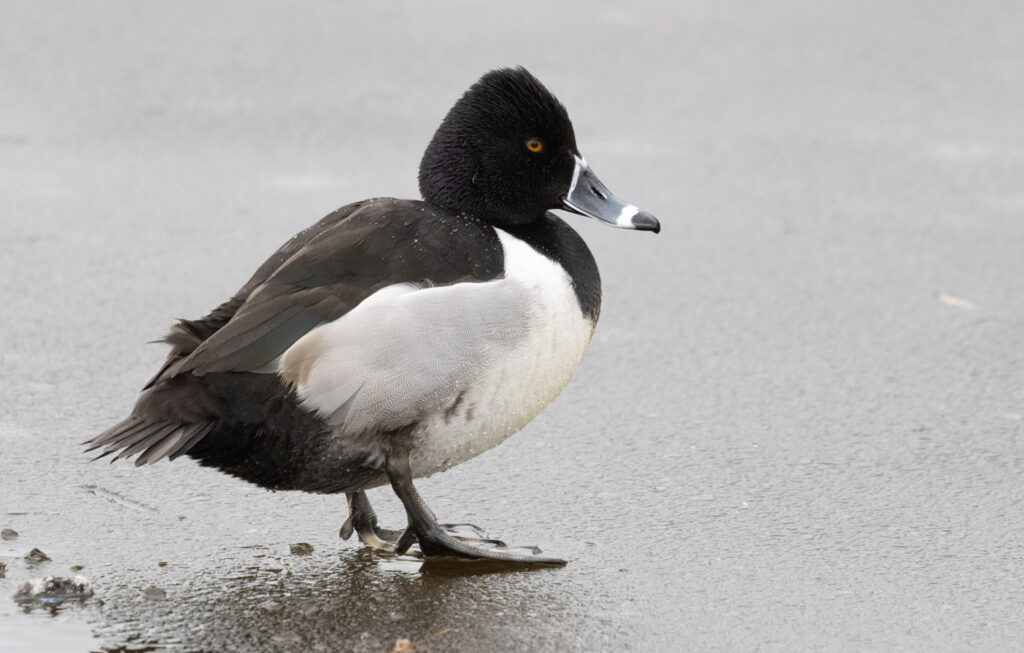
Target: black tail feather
(145, 438)
(155, 439)
(177, 442)
(189, 441)
(116, 432)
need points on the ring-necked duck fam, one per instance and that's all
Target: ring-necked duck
(397, 338)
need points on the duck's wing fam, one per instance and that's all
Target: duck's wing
(380, 244)
(315, 279)
(185, 336)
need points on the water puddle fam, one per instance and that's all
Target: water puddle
(42, 629)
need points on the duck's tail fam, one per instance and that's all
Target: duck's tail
(172, 414)
(167, 421)
(151, 439)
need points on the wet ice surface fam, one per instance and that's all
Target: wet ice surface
(799, 425)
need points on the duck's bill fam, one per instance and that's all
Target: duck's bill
(590, 197)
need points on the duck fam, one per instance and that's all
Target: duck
(394, 338)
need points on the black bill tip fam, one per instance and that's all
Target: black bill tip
(644, 221)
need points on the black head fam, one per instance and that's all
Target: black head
(506, 153)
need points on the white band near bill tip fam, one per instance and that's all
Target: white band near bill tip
(625, 218)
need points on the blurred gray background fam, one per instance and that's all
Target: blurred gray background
(798, 427)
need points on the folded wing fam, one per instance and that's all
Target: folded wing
(316, 278)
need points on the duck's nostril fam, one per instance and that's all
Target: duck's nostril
(597, 191)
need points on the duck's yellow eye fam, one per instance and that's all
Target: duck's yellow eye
(534, 145)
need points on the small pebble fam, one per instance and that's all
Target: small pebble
(302, 549)
(161, 564)
(3, 569)
(35, 556)
(77, 568)
(154, 593)
(8, 534)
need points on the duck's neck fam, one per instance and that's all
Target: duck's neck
(552, 237)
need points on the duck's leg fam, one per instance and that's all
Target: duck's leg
(433, 538)
(363, 520)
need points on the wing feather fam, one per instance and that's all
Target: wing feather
(334, 271)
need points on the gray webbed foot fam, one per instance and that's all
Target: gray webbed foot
(435, 539)
(362, 520)
(468, 530)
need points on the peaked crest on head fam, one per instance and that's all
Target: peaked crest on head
(513, 96)
(477, 162)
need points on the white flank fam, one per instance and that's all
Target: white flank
(517, 387)
(468, 364)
